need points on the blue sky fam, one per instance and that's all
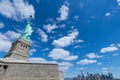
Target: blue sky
(78, 35)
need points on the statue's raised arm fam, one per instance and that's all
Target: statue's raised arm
(27, 32)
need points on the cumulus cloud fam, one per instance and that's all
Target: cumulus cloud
(5, 43)
(99, 63)
(77, 46)
(109, 49)
(112, 67)
(1, 25)
(64, 12)
(46, 49)
(104, 68)
(43, 36)
(116, 54)
(118, 1)
(50, 27)
(76, 17)
(59, 53)
(107, 14)
(64, 66)
(16, 9)
(118, 45)
(66, 40)
(6, 40)
(31, 51)
(71, 58)
(93, 55)
(12, 35)
(86, 62)
(79, 41)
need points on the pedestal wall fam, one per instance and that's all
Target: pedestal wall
(29, 71)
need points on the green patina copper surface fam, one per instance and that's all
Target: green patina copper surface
(27, 32)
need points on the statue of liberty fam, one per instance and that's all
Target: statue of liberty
(28, 31)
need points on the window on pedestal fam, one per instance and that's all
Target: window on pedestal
(21, 45)
(26, 47)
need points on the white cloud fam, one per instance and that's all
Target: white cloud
(109, 49)
(9, 11)
(64, 12)
(44, 37)
(77, 46)
(112, 67)
(71, 58)
(31, 51)
(76, 17)
(82, 68)
(40, 60)
(66, 40)
(118, 45)
(92, 17)
(82, 4)
(37, 1)
(72, 27)
(12, 35)
(16, 9)
(67, 3)
(59, 53)
(93, 55)
(79, 41)
(86, 62)
(46, 49)
(104, 70)
(64, 66)
(6, 40)
(1, 25)
(62, 26)
(50, 27)
(37, 60)
(118, 1)
(5, 43)
(108, 14)
(112, 44)
(99, 63)
(116, 54)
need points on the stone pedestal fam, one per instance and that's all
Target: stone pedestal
(19, 50)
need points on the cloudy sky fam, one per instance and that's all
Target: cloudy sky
(76, 34)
